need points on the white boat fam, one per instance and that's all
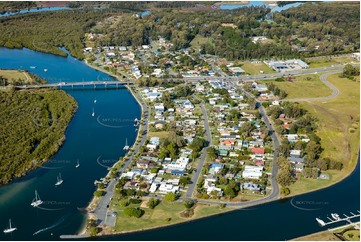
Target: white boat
(95, 101)
(32, 67)
(335, 216)
(93, 113)
(59, 181)
(77, 165)
(10, 229)
(126, 147)
(36, 201)
(136, 122)
(320, 222)
(45, 70)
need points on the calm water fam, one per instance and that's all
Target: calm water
(96, 142)
(258, 3)
(280, 220)
(96, 145)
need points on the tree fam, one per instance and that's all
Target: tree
(98, 193)
(152, 203)
(285, 191)
(212, 153)
(197, 144)
(133, 212)
(170, 197)
(188, 203)
(284, 178)
(184, 180)
(349, 71)
(313, 150)
(247, 128)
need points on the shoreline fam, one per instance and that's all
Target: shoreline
(234, 206)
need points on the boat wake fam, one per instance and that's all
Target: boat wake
(62, 219)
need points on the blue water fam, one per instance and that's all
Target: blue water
(145, 13)
(279, 220)
(258, 3)
(96, 142)
(34, 10)
(96, 146)
(235, 6)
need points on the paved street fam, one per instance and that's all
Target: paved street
(202, 159)
(335, 91)
(101, 210)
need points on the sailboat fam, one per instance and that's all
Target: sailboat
(136, 122)
(36, 201)
(126, 147)
(10, 229)
(59, 180)
(95, 101)
(93, 113)
(77, 165)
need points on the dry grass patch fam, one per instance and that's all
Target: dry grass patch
(336, 117)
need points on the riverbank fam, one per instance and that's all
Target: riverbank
(28, 118)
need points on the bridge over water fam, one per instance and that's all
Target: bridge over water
(94, 84)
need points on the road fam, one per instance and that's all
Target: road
(101, 210)
(335, 91)
(267, 76)
(202, 159)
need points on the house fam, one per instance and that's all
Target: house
(292, 138)
(252, 172)
(153, 188)
(154, 141)
(258, 150)
(159, 107)
(251, 186)
(293, 159)
(131, 185)
(215, 168)
(142, 164)
(298, 167)
(214, 188)
(165, 188)
(295, 153)
(223, 152)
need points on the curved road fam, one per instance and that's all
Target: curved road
(335, 91)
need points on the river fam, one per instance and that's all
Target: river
(97, 142)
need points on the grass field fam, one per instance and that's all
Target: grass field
(339, 130)
(255, 68)
(198, 41)
(13, 75)
(153, 218)
(160, 134)
(321, 236)
(307, 86)
(324, 62)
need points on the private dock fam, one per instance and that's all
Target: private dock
(335, 218)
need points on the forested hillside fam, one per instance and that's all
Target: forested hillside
(32, 126)
(310, 29)
(49, 30)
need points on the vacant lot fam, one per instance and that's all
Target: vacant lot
(14, 75)
(198, 41)
(256, 68)
(339, 130)
(324, 62)
(307, 86)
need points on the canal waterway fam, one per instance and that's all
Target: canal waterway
(97, 142)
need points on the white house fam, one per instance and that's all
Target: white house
(167, 188)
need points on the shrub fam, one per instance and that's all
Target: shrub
(133, 212)
(152, 203)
